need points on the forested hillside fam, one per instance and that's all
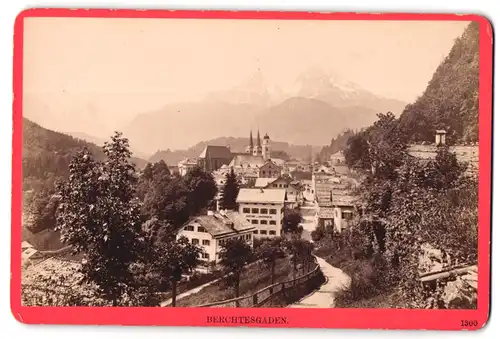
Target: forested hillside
(46, 155)
(450, 101)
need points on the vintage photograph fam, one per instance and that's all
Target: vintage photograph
(250, 163)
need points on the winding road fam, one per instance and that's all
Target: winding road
(324, 297)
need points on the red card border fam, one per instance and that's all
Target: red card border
(314, 318)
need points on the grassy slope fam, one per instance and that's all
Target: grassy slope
(253, 279)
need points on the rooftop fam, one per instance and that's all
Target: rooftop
(187, 161)
(247, 160)
(220, 223)
(263, 182)
(220, 152)
(259, 195)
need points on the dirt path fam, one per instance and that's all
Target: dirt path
(324, 297)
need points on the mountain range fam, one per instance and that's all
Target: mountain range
(317, 107)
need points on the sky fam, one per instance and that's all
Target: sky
(143, 64)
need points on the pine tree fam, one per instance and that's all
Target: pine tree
(230, 191)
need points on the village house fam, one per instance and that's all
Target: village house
(335, 211)
(264, 209)
(212, 230)
(293, 188)
(337, 158)
(269, 170)
(186, 165)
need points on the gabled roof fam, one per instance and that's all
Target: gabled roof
(221, 223)
(187, 161)
(259, 195)
(220, 152)
(247, 160)
(25, 245)
(269, 161)
(263, 182)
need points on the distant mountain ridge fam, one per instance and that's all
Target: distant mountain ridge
(319, 105)
(321, 108)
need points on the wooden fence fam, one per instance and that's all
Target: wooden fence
(266, 294)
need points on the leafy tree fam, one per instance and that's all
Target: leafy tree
(291, 222)
(235, 254)
(300, 251)
(43, 211)
(173, 259)
(269, 252)
(230, 191)
(156, 230)
(201, 189)
(100, 217)
(168, 201)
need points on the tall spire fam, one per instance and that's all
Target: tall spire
(258, 138)
(251, 139)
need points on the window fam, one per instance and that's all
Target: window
(255, 222)
(195, 241)
(272, 222)
(272, 232)
(205, 256)
(202, 229)
(264, 173)
(286, 185)
(263, 232)
(248, 236)
(246, 210)
(275, 185)
(255, 232)
(255, 210)
(263, 211)
(206, 242)
(189, 228)
(263, 222)
(347, 215)
(273, 211)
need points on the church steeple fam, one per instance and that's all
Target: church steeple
(251, 140)
(258, 138)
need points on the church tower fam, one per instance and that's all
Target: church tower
(266, 147)
(249, 148)
(257, 150)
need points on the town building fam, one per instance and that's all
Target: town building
(213, 157)
(269, 170)
(186, 165)
(337, 158)
(212, 230)
(264, 209)
(293, 188)
(336, 206)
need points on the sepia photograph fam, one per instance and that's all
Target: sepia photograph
(225, 163)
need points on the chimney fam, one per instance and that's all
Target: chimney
(440, 137)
